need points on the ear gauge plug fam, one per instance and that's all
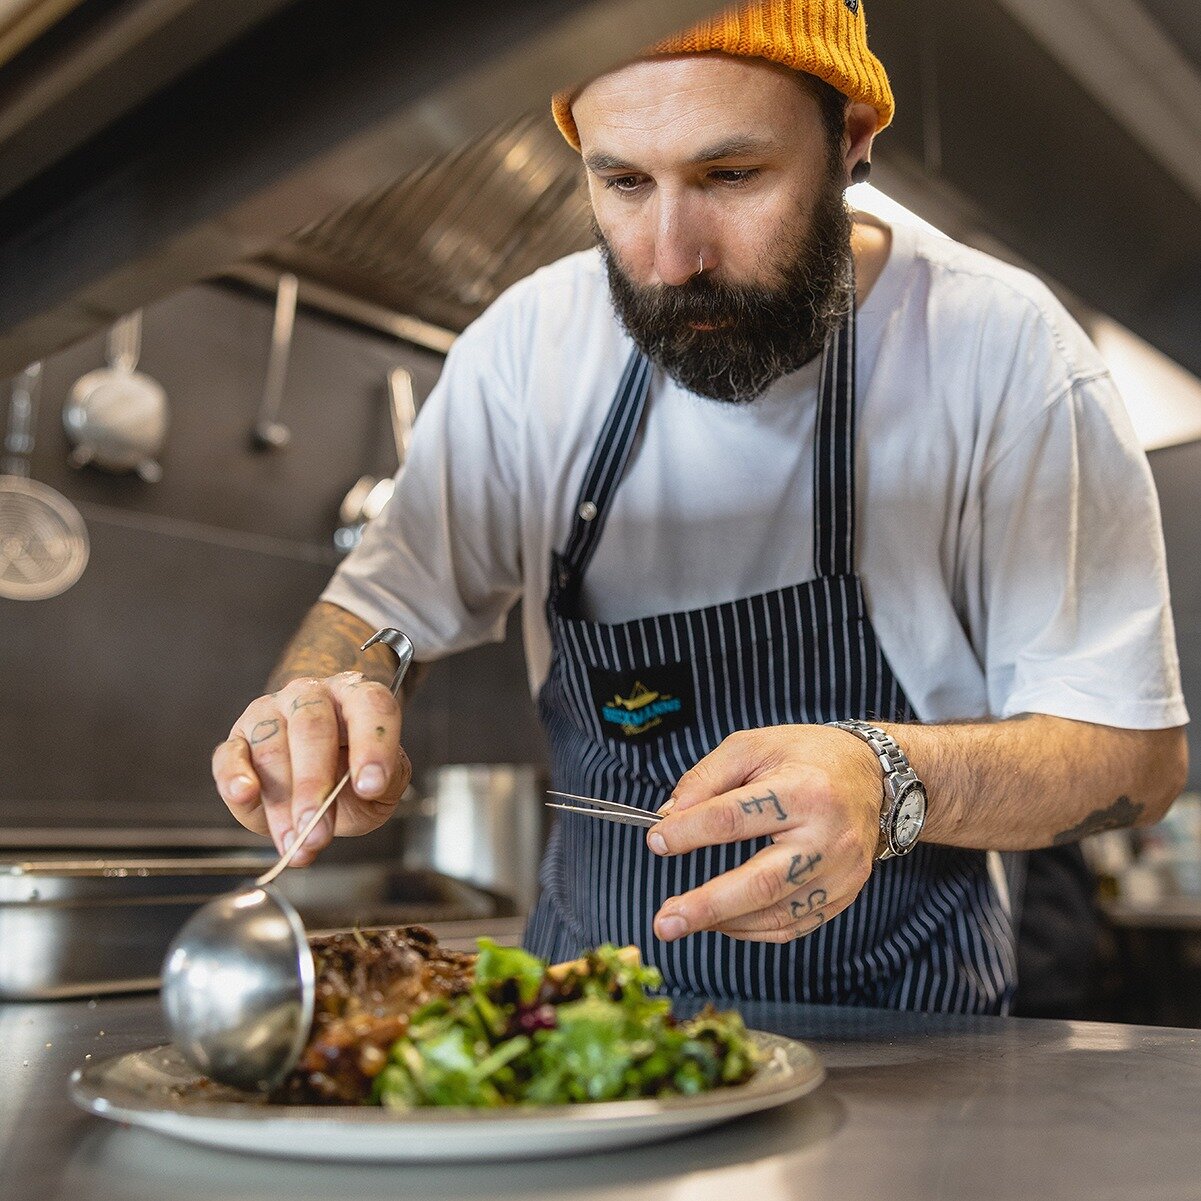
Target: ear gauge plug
(861, 171)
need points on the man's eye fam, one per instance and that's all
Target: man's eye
(624, 183)
(734, 175)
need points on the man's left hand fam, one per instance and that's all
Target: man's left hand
(815, 791)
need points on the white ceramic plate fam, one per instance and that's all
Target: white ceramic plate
(154, 1089)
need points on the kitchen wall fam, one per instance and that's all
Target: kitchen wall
(1177, 471)
(113, 694)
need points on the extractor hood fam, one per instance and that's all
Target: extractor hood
(399, 158)
(147, 144)
(444, 241)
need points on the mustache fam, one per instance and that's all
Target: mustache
(668, 310)
(703, 301)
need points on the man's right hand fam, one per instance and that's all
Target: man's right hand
(288, 749)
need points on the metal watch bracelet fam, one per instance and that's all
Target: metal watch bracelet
(899, 777)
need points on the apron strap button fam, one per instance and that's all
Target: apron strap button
(587, 511)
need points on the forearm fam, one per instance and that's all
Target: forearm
(1037, 781)
(327, 642)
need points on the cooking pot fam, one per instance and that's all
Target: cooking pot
(484, 823)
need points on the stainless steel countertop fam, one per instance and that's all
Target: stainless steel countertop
(916, 1106)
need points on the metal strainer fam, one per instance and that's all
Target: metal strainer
(43, 541)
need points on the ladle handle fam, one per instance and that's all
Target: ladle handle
(404, 652)
(125, 342)
(22, 421)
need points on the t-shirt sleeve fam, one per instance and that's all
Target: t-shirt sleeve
(1073, 578)
(442, 561)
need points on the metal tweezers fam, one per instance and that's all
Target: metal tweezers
(609, 811)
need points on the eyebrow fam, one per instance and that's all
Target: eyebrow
(731, 147)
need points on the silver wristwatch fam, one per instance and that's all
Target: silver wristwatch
(903, 809)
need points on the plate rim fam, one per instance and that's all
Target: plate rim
(760, 1092)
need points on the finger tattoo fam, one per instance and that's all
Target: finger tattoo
(756, 804)
(801, 866)
(814, 901)
(267, 728)
(301, 703)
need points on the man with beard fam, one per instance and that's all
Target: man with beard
(755, 469)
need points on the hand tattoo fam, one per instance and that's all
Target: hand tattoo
(1123, 812)
(300, 703)
(797, 870)
(267, 728)
(756, 803)
(814, 901)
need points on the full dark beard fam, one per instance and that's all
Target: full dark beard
(758, 334)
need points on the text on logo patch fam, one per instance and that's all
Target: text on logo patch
(645, 702)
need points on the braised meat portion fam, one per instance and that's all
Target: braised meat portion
(368, 984)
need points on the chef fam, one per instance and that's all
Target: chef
(835, 545)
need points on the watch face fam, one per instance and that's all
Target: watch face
(911, 816)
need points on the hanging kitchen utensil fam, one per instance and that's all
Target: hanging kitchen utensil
(116, 417)
(43, 541)
(268, 432)
(368, 495)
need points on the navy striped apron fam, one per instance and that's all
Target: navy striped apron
(629, 707)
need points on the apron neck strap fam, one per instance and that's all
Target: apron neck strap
(834, 455)
(604, 472)
(833, 463)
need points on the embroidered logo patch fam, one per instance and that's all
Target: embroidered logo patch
(853, 5)
(646, 703)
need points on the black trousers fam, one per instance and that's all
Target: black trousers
(1059, 937)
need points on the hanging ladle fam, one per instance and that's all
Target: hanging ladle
(238, 982)
(368, 496)
(268, 432)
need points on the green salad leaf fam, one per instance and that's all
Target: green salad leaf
(494, 965)
(587, 1031)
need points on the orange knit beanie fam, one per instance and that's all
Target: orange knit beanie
(826, 38)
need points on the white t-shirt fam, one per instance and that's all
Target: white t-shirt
(1008, 530)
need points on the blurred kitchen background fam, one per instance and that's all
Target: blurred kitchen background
(305, 202)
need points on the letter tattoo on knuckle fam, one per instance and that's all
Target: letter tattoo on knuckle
(812, 904)
(263, 730)
(756, 804)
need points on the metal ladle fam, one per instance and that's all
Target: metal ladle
(268, 432)
(368, 496)
(238, 982)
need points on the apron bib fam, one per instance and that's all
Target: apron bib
(629, 707)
